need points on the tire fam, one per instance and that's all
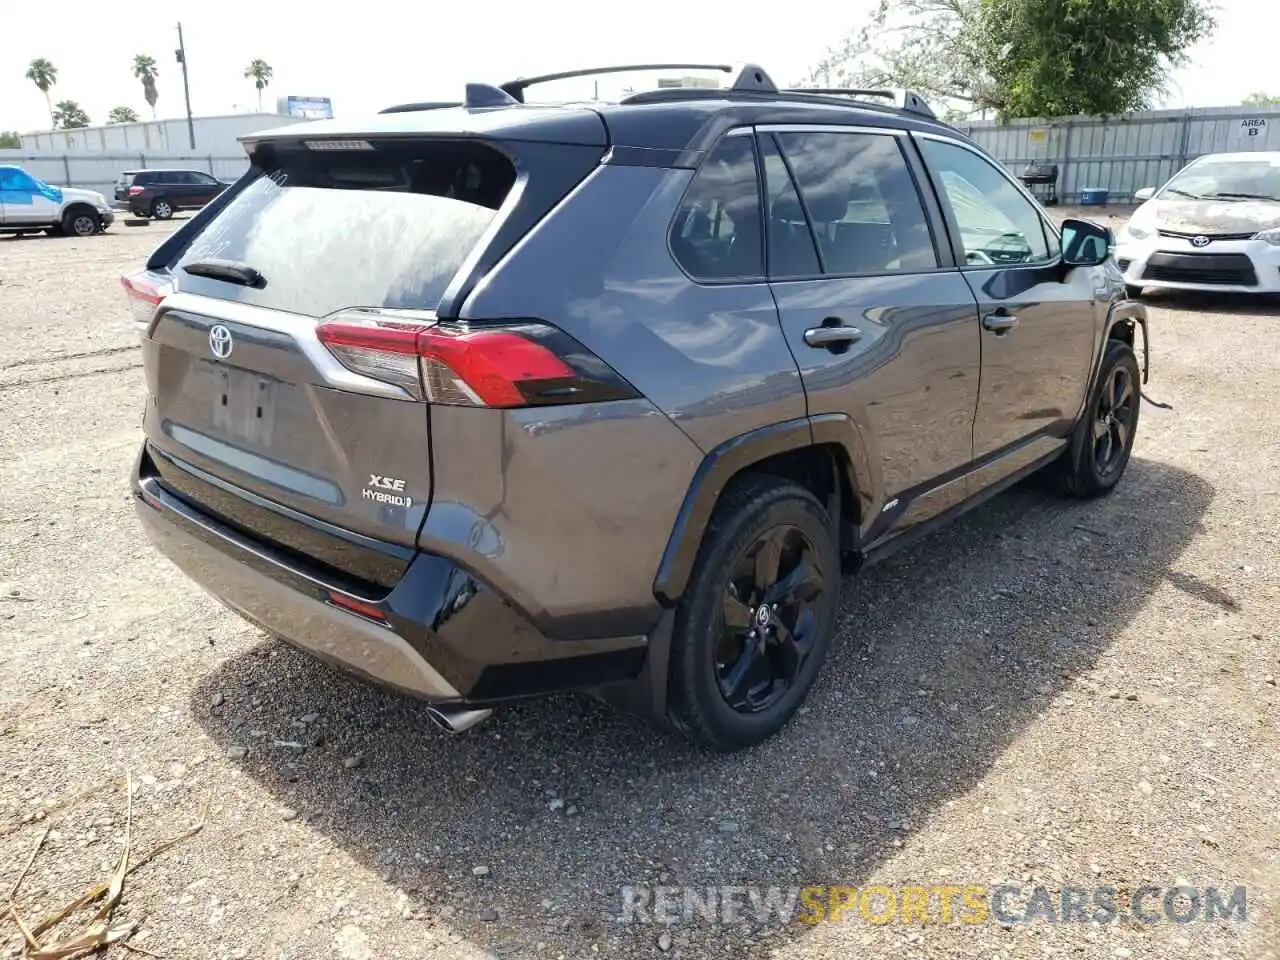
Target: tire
(756, 514)
(1132, 291)
(1086, 469)
(161, 208)
(81, 222)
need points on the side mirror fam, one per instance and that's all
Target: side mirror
(1085, 244)
(1145, 194)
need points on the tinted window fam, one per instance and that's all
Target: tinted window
(998, 224)
(716, 233)
(863, 202)
(328, 230)
(791, 249)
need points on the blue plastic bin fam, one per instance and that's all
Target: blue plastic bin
(1093, 197)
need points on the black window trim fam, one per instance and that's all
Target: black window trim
(741, 279)
(934, 218)
(953, 227)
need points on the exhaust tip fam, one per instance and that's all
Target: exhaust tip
(456, 721)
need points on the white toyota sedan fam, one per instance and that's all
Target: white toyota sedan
(1214, 226)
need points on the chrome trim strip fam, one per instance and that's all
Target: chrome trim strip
(301, 329)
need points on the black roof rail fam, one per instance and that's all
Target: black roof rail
(747, 76)
(907, 100)
(424, 105)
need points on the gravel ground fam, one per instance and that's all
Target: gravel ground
(1047, 693)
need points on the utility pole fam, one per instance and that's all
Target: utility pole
(181, 54)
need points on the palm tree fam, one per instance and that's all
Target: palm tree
(69, 115)
(44, 75)
(144, 68)
(122, 115)
(259, 71)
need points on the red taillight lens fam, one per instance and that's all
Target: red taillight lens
(145, 292)
(480, 365)
(134, 191)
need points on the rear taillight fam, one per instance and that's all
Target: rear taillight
(145, 291)
(134, 191)
(509, 364)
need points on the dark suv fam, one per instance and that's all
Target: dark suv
(495, 400)
(158, 193)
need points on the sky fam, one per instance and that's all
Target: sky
(397, 51)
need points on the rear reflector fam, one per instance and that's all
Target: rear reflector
(368, 610)
(510, 364)
(145, 291)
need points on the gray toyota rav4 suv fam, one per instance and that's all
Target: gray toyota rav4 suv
(490, 400)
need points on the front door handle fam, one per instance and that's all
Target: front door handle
(999, 323)
(830, 336)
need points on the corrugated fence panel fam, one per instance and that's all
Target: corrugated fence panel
(100, 171)
(1124, 154)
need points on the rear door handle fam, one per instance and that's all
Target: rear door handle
(999, 323)
(827, 336)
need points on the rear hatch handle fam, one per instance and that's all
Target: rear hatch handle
(233, 271)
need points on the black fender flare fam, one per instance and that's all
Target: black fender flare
(733, 456)
(1121, 311)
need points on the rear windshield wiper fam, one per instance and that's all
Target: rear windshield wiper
(232, 271)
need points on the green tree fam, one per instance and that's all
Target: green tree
(9, 140)
(68, 115)
(144, 68)
(1054, 58)
(259, 71)
(122, 115)
(1021, 58)
(1260, 100)
(44, 75)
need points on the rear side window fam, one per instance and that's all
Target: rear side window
(716, 233)
(387, 227)
(791, 245)
(863, 202)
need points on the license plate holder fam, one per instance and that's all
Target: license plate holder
(244, 404)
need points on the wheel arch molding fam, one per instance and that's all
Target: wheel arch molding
(846, 485)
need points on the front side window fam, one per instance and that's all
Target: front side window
(716, 233)
(998, 224)
(862, 199)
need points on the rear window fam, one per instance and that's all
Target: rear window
(382, 227)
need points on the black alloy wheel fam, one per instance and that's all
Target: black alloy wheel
(1113, 421)
(769, 618)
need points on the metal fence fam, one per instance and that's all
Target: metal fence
(1124, 154)
(100, 171)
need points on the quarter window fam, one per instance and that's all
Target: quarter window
(998, 224)
(863, 202)
(716, 234)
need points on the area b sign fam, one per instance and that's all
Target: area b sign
(1251, 127)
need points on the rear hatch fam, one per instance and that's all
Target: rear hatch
(123, 184)
(259, 411)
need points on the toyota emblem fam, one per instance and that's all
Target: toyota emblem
(220, 342)
(1199, 241)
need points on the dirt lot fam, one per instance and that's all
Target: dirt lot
(1047, 693)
